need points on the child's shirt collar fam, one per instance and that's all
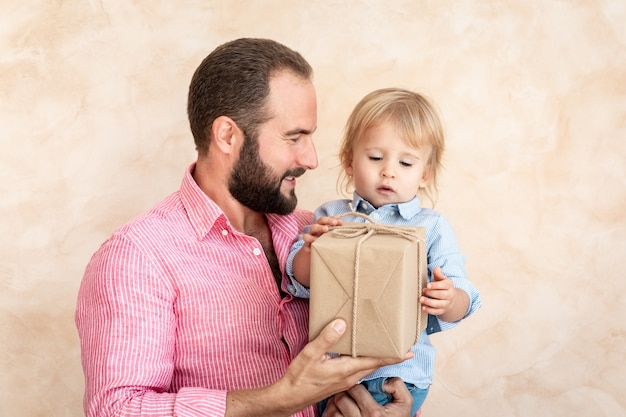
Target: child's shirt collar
(406, 210)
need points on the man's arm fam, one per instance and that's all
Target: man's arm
(127, 333)
(312, 376)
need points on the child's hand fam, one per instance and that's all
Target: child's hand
(438, 296)
(318, 229)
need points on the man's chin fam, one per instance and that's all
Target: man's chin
(289, 202)
(287, 191)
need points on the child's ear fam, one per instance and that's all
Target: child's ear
(347, 166)
(348, 169)
(426, 176)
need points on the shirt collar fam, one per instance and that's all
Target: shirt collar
(203, 212)
(406, 210)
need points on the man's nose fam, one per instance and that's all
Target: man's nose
(307, 156)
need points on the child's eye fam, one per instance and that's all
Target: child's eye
(375, 158)
(406, 164)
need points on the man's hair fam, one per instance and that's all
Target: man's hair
(233, 81)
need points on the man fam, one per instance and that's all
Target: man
(183, 310)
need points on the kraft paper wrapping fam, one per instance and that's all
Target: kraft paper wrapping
(385, 267)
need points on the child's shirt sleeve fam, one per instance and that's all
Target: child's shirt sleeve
(444, 252)
(293, 286)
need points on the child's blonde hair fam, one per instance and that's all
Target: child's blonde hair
(414, 116)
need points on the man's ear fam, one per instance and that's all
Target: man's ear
(226, 134)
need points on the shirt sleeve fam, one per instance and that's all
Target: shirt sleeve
(444, 252)
(127, 328)
(294, 287)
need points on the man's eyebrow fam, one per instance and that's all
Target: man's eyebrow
(300, 131)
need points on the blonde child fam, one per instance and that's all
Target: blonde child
(391, 156)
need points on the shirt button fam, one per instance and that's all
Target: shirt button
(375, 215)
(364, 205)
(256, 251)
(225, 232)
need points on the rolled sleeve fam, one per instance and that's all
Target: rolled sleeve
(293, 286)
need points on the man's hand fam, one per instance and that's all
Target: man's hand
(314, 375)
(357, 402)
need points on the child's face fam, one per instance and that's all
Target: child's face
(384, 169)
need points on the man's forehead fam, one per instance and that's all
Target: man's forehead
(292, 103)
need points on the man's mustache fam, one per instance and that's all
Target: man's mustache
(294, 173)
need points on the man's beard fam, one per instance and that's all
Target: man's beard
(254, 185)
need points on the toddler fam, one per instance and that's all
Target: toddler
(391, 156)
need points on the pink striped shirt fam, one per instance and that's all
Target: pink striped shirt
(177, 308)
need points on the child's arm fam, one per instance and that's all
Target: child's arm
(302, 259)
(440, 298)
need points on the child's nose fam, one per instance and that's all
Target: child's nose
(387, 172)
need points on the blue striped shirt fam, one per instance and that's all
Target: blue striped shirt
(442, 251)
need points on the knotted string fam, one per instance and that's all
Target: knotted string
(366, 230)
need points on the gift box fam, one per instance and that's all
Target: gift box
(371, 275)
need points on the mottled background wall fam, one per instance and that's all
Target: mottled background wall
(533, 93)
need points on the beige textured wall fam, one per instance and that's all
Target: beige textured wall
(94, 131)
